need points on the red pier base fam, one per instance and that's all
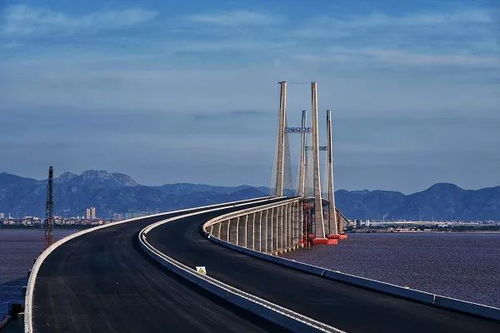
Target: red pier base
(343, 236)
(325, 241)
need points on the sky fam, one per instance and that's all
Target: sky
(186, 91)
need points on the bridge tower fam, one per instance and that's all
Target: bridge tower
(332, 212)
(322, 221)
(318, 198)
(281, 146)
(49, 209)
(301, 189)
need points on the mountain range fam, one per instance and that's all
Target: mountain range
(109, 193)
(118, 193)
(440, 202)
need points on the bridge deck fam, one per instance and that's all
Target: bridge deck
(346, 307)
(103, 282)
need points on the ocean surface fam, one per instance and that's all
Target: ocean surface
(460, 265)
(18, 250)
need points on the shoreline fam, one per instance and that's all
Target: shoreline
(371, 231)
(425, 232)
(73, 227)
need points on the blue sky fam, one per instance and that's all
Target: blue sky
(186, 91)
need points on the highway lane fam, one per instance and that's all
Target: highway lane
(103, 282)
(344, 306)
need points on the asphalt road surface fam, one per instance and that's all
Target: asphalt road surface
(103, 282)
(344, 306)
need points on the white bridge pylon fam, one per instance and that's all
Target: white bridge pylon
(319, 227)
(297, 222)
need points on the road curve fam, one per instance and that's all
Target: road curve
(347, 307)
(103, 282)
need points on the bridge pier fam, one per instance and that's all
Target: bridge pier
(318, 198)
(260, 231)
(332, 216)
(280, 149)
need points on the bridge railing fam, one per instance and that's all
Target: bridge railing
(273, 228)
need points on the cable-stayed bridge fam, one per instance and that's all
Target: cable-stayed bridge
(217, 268)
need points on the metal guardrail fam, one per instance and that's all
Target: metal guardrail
(273, 228)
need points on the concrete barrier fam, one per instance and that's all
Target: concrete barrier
(384, 287)
(449, 303)
(468, 307)
(316, 270)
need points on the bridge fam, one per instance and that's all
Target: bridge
(218, 268)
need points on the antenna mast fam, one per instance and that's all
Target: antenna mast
(49, 209)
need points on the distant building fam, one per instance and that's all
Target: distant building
(131, 215)
(90, 213)
(361, 223)
(2, 215)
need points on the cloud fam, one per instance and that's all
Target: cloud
(235, 18)
(327, 26)
(464, 37)
(176, 86)
(429, 18)
(10, 45)
(26, 21)
(231, 44)
(236, 114)
(400, 57)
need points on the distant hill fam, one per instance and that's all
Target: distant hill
(109, 193)
(439, 202)
(118, 193)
